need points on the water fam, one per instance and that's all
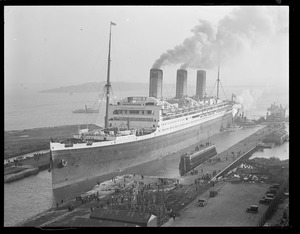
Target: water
(26, 109)
(278, 151)
(36, 110)
(281, 152)
(27, 197)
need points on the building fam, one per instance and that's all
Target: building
(86, 222)
(277, 137)
(140, 219)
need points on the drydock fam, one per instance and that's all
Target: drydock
(123, 200)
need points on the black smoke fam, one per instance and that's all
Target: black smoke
(243, 27)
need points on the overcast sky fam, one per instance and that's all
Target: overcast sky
(48, 47)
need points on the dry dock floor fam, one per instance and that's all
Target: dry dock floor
(228, 208)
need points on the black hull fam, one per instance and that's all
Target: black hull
(85, 165)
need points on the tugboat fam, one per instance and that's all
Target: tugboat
(86, 110)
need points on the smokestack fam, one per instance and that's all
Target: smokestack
(201, 83)
(181, 83)
(155, 88)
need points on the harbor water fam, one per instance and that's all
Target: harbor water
(278, 151)
(27, 197)
(30, 196)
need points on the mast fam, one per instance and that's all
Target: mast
(108, 80)
(218, 81)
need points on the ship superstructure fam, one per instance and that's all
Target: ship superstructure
(140, 116)
(139, 129)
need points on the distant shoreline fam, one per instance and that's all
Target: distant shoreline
(128, 86)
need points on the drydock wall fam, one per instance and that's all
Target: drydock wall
(237, 162)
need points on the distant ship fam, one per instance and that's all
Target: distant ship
(277, 113)
(139, 129)
(86, 110)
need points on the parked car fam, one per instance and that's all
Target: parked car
(275, 186)
(270, 195)
(252, 209)
(202, 202)
(266, 200)
(272, 190)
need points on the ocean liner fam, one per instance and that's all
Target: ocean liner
(140, 129)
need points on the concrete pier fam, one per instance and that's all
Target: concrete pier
(21, 172)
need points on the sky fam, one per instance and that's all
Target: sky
(53, 46)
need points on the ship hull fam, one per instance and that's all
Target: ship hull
(87, 164)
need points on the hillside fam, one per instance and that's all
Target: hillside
(97, 87)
